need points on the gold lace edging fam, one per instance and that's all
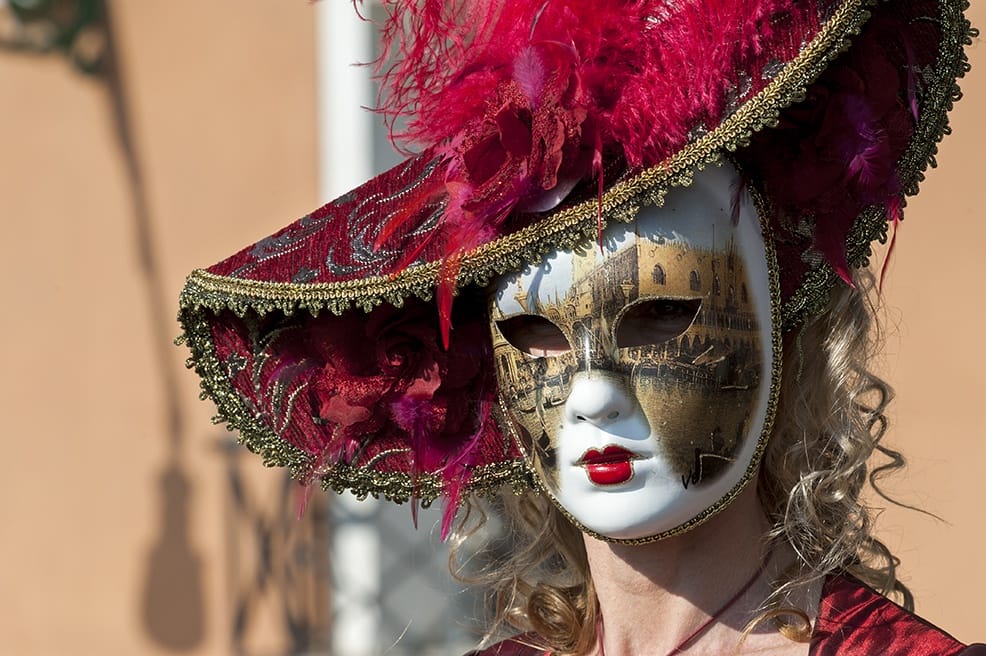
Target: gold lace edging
(401, 488)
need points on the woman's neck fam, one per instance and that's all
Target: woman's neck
(653, 596)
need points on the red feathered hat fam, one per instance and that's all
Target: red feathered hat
(353, 345)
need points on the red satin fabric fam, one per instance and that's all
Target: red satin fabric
(853, 620)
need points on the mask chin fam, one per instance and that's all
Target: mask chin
(640, 382)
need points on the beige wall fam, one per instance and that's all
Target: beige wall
(936, 360)
(223, 104)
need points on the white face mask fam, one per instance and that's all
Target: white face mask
(638, 381)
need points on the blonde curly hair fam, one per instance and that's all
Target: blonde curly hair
(830, 420)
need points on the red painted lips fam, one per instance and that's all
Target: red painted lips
(611, 466)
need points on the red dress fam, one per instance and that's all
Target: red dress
(853, 620)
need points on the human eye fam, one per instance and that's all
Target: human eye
(534, 335)
(653, 321)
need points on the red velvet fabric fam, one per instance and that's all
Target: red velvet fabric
(371, 390)
(853, 620)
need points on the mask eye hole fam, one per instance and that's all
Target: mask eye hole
(533, 335)
(655, 321)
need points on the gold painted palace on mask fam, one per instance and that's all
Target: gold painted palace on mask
(713, 365)
(724, 330)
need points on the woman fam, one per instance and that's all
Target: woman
(618, 280)
(780, 568)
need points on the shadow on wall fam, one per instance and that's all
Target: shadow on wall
(173, 608)
(276, 560)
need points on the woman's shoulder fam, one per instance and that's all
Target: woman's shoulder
(854, 619)
(516, 646)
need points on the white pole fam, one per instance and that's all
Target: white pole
(345, 161)
(345, 128)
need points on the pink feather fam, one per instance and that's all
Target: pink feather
(457, 473)
(529, 73)
(895, 215)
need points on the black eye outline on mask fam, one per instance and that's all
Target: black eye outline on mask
(651, 321)
(534, 334)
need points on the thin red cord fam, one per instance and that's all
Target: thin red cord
(705, 625)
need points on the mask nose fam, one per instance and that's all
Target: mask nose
(599, 400)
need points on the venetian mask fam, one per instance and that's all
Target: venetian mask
(637, 374)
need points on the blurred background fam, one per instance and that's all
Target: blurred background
(140, 140)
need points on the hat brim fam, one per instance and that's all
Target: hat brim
(330, 262)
